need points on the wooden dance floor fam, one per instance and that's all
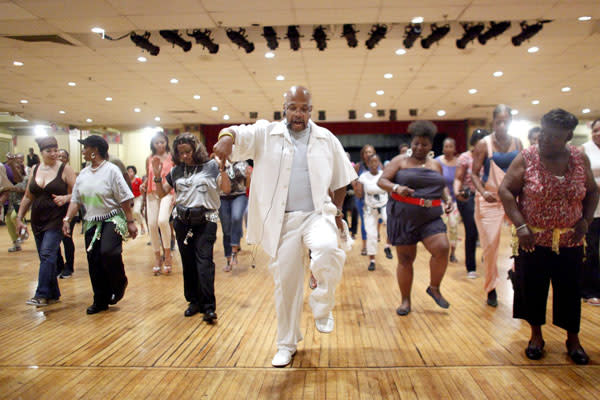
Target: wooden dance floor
(145, 348)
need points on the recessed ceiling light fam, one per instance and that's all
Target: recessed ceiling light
(214, 108)
(226, 117)
(18, 63)
(472, 91)
(373, 104)
(280, 78)
(441, 113)
(388, 76)
(269, 54)
(137, 109)
(533, 49)
(174, 80)
(417, 20)
(368, 115)
(514, 112)
(157, 119)
(97, 30)
(72, 84)
(535, 102)
(586, 111)
(24, 101)
(400, 52)
(380, 92)
(565, 89)
(142, 59)
(88, 120)
(61, 112)
(196, 97)
(498, 74)
(584, 18)
(108, 98)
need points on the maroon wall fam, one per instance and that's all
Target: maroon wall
(456, 129)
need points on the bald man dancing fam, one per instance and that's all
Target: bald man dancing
(297, 164)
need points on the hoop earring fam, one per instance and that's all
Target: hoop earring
(431, 154)
(93, 155)
(409, 152)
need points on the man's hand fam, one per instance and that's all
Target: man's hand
(339, 222)
(223, 147)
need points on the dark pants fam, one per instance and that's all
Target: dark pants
(359, 203)
(350, 207)
(590, 276)
(533, 273)
(47, 244)
(467, 213)
(197, 261)
(105, 262)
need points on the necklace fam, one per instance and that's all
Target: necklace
(98, 167)
(186, 173)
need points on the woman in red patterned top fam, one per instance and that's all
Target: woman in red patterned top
(550, 195)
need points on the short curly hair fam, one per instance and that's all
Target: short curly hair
(426, 129)
(200, 153)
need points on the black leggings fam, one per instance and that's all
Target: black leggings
(467, 213)
(590, 276)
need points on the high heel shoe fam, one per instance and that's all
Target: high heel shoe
(156, 270)
(167, 269)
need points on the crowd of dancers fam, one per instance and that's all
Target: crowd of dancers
(297, 196)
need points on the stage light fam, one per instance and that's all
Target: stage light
(496, 29)
(377, 33)
(143, 43)
(471, 32)
(203, 38)
(437, 34)
(172, 36)
(320, 37)
(271, 36)
(350, 34)
(240, 38)
(411, 34)
(294, 37)
(528, 31)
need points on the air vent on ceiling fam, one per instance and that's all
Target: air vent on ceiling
(182, 112)
(42, 38)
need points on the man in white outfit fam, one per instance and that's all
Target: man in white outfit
(297, 164)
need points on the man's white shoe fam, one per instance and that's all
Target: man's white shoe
(282, 358)
(325, 325)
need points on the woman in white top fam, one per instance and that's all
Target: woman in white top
(374, 202)
(590, 283)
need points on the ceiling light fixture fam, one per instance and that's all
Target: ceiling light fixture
(270, 35)
(142, 59)
(173, 37)
(61, 112)
(320, 37)
(586, 111)
(380, 92)
(373, 104)
(400, 52)
(441, 113)
(498, 74)
(388, 76)
(280, 78)
(214, 108)
(196, 97)
(514, 112)
(411, 34)
(437, 34)
(101, 32)
(269, 54)
(584, 18)
(142, 42)
(350, 34)
(294, 37)
(417, 20)
(535, 102)
(203, 38)
(89, 120)
(495, 29)
(226, 117)
(108, 98)
(240, 38)
(17, 63)
(528, 31)
(24, 101)
(533, 49)
(471, 32)
(472, 91)
(137, 110)
(157, 119)
(368, 115)
(376, 35)
(565, 89)
(72, 84)
(174, 81)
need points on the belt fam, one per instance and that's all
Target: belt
(417, 201)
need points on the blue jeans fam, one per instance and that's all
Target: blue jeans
(360, 205)
(231, 214)
(47, 243)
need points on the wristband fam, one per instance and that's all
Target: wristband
(395, 187)
(66, 219)
(225, 133)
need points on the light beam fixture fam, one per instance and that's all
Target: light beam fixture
(437, 34)
(271, 36)
(377, 33)
(350, 34)
(528, 31)
(239, 37)
(173, 37)
(495, 29)
(471, 32)
(203, 38)
(411, 34)
(142, 42)
(294, 37)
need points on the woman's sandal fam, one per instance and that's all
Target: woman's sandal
(156, 270)
(167, 269)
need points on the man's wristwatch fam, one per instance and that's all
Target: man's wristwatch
(339, 213)
(395, 187)
(66, 219)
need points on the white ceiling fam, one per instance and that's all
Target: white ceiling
(341, 78)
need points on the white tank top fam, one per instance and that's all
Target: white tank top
(593, 153)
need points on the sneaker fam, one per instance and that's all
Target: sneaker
(16, 247)
(388, 253)
(37, 301)
(363, 252)
(371, 266)
(472, 275)
(325, 325)
(282, 358)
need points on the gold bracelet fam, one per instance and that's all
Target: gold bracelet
(225, 133)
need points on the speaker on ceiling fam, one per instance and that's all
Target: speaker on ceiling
(253, 115)
(393, 115)
(277, 115)
(351, 114)
(381, 113)
(413, 112)
(322, 115)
